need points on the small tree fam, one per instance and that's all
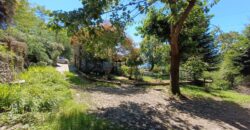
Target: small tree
(133, 61)
(155, 52)
(195, 67)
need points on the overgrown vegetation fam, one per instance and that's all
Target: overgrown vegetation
(72, 116)
(43, 43)
(44, 101)
(177, 43)
(43, 91)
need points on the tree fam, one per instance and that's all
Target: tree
(133, 61)
(226, 40)
(25, 18)
(154, 51)
(235, 54)
(99, 42)
(92, 11)
(195, 66)
(184, 37)
(7, 11)
(30, 27)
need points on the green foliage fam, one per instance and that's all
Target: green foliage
(44, 45)
(74, 79)
(125, 70)
(7, 97)
(195, 37)
(72, 116)
(25, 18)
(134, 58)
(45, 102)
(154, 51)
(99, 42)
(232, 65)
(44, 90)
(227, 40)
(195, 67)
(133, 61)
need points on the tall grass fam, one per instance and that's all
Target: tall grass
(75, 79)
(72, 116)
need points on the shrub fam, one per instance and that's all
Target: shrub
(195, 66)
(125, 70)
(8, 95)
(137, 74)
(44, 90)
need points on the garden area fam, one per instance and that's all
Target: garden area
(122, 65)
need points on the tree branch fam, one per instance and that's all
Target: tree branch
(184, 16)
(171, 4)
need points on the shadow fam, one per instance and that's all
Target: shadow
(121, 90)
(72, 69)
(57, 65)
(225, 111)
(133, 116)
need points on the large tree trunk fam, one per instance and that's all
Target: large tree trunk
(175, 65)
(174, 37)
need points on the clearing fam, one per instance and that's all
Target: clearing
(151, 108)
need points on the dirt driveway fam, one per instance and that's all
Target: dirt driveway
(151, 109)
(141, 108)
(62, 67)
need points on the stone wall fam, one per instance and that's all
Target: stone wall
(6, 75)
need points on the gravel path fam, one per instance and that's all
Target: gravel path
(137, 108)
(151, 109)
(62, 68)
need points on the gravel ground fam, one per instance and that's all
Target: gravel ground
(151, 109)
(136, 108)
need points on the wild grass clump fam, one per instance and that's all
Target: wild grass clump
(74, 79)
(44, 90)
(72, 116)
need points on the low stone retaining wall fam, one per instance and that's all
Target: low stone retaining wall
(6, 75)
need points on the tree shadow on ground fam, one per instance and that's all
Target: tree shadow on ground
(134, 116)
(224, 111)
(122, 90)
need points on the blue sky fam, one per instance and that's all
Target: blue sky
(229, 15)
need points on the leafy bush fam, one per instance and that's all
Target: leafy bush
(8, 95)
(137, 74)
(125, 70)
(45, 89)
(195, 66)
(76, 80)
